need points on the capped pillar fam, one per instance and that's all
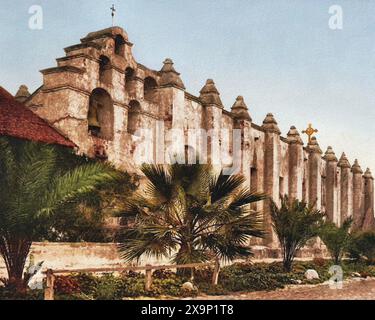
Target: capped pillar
(271, 170)
(171, 101)
(240, 141)
(172, 89)
(213, 109)
(22, 94)
(331, 192)
(295, 163)
(240, 110)
(209, 95)
(315, 178)
(169, 76)
(357, 195)
(369, 219)
(345, 188)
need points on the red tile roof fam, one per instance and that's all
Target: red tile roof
(16, 120)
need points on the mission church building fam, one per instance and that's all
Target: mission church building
(98, 96)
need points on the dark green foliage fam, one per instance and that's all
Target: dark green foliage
(363, 246)
(84, 219)
(9, 293)
(254, 281)
(294, 223)
(337, 239)
(110, 287)
(67, 285)
(188, 210)
(35, 183)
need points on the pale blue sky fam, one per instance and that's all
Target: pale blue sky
(279, 54)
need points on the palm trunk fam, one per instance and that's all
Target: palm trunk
(288, 257)
(15, 252)
(185, 251)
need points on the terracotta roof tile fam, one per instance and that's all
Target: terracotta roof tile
(16, 120)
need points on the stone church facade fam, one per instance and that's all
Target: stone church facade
(98, 96)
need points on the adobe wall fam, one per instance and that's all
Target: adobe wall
(269, 161)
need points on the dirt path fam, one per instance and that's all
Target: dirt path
(356, 289)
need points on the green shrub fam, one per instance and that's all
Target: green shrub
(253, 277)
(108, 288)
(336, 239)
(133, 287)
(9, 294)
(66, 285)
(363, 245)
(87, 283)
(300, 267)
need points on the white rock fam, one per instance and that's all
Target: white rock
(188, 286)
(295, 281)
(356, 274)
(311, 274)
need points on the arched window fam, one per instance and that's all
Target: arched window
(134, 116)
(105, 74)
(119, 45)
(129, 76)
(150, 86)
(100, 114)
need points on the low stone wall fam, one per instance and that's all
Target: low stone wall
(98, 255)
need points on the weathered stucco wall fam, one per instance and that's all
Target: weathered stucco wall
(270, 162)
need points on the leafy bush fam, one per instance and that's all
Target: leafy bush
(336, 239)
(108, 288)
(10, 294)
(363, 245)
(87, 283)
(253, 277)
(111, 287)
(66, 285)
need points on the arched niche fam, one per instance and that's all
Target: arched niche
(150, 86)
(129, 77)
(119, 45)
(100, 114)
(105, 70)
(134, 116)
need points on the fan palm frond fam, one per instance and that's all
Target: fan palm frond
(190, 211)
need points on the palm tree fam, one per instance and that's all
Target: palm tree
(337, 239)
(188, 213)
(294, 223)
(35, 181)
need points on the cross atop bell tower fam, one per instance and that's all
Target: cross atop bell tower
(113, 11)
(310, 132)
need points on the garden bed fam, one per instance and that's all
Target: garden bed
(237, 278)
